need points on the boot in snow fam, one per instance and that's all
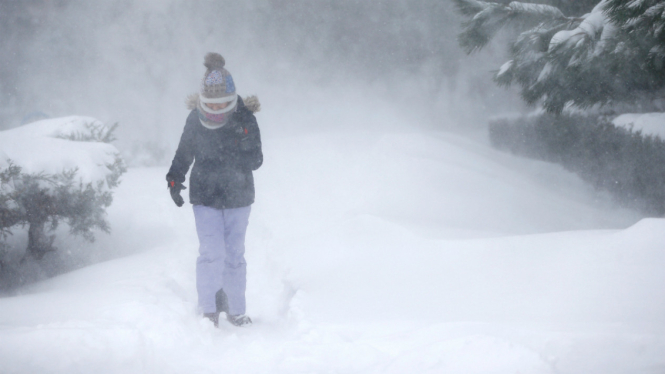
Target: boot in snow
(239, 320)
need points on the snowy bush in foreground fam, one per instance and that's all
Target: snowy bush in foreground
(53, 171)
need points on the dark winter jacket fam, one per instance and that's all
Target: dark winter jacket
(223, 160)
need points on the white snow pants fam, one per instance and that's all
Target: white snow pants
(221, 262)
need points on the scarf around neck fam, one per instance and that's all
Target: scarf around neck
(212, 119)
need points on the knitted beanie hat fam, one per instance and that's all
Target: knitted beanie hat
(216, 88)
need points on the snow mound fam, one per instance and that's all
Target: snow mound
(647, 123)
(55, 145)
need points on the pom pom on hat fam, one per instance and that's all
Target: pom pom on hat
(214, 61)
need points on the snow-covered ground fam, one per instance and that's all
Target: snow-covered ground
(368, 252)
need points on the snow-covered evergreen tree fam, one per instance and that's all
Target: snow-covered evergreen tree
(612, 54)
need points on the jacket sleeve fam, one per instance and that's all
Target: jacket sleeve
(251, 154)
(184, 156)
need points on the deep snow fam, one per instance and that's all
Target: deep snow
(368, 252)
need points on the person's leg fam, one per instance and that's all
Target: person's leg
(235, 267)
(210, 263)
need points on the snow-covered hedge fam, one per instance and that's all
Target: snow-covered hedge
(647, 124)
(625, 156)
(52, 171)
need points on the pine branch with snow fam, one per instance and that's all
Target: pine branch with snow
(613, 54)
(487, 18)
(643, 22)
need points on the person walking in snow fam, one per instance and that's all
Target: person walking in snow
(221, 136)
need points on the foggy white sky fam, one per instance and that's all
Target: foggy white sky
(133, 62)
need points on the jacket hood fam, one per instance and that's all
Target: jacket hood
(250, 102)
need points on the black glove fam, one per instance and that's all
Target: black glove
(174, 189)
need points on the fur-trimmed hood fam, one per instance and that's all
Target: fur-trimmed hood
(251, 102)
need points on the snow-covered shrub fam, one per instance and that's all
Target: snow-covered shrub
(627, 163)
(53, 171)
